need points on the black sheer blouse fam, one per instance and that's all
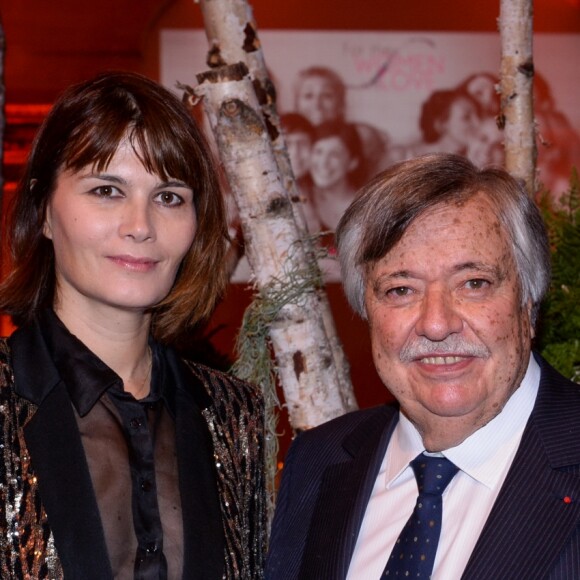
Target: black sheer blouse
(130, 450)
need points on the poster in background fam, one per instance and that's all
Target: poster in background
(403, 93)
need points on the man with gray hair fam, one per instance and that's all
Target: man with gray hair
(475, 472)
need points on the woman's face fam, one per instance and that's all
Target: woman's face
(331, 162)
(317, 100)
(462, 123)
(119, 235)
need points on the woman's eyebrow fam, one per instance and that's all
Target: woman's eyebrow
(173, 183)
(120, 180)
(105, 177)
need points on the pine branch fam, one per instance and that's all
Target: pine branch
(559, 337)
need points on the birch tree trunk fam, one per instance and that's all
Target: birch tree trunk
(305, 363)
(516, 89)
(233, 37)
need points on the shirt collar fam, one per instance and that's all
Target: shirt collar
(485, 453)
(85, 375)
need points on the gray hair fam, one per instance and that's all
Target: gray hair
(387, 205)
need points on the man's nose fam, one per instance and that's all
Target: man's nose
(438, 317)
(137, 220)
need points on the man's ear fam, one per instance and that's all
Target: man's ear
(529, 308)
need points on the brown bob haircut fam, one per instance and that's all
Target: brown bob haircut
(84, 128)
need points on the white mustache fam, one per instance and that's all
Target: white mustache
(452, 345)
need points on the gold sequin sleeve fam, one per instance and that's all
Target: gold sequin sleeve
(236, 424)
(26, 543)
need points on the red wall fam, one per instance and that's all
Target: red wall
(52, 45)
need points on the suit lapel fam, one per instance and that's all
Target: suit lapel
(58, 460)
(344, 493)
(202, 518)
(538, 506)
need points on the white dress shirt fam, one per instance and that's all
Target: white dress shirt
(483, 459)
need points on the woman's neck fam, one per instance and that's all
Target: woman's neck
(118, 338)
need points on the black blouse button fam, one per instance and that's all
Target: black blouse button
(152, 548)
(146, 485)
(136, 422)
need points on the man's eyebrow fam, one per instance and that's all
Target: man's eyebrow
(399, 274)
(492, 269)
(396, 275)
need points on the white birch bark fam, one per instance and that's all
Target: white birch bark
(516, 89)
(233, 37)
(305, 363)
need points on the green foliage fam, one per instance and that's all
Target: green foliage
(559, 337)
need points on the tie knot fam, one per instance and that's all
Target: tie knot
(433, 474)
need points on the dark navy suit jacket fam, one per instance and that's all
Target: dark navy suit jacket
(532, 532)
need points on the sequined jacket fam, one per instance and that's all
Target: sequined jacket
(44, 471)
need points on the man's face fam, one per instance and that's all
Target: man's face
(450, 338)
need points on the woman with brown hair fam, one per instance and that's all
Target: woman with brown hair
(449, 122)
(121, 459)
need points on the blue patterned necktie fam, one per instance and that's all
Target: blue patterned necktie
(414, 553)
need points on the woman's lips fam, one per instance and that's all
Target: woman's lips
(133, 263)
